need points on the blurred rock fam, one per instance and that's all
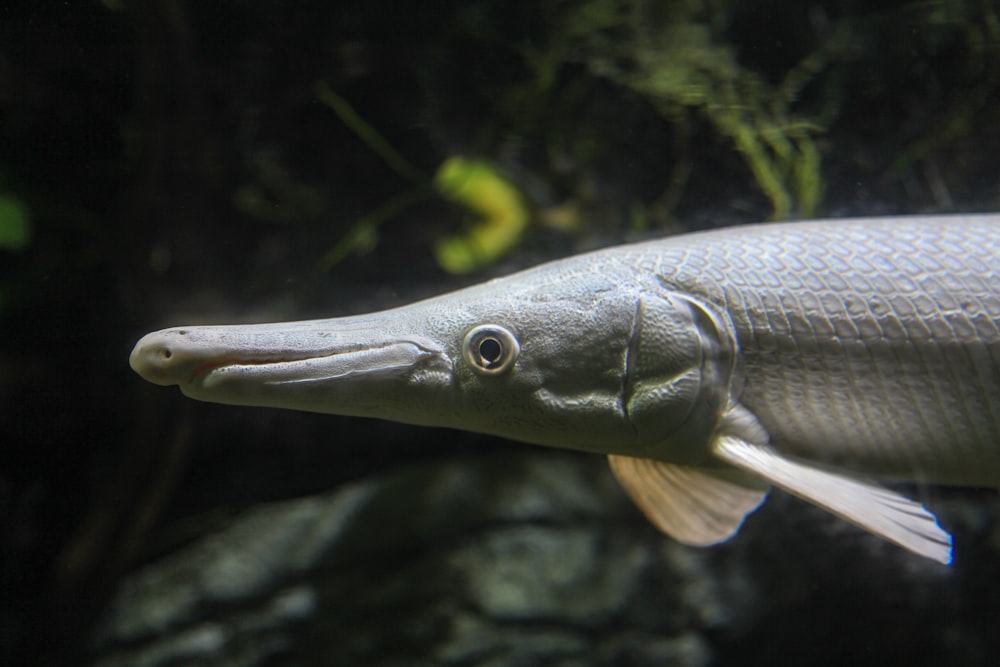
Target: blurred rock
(517, 559)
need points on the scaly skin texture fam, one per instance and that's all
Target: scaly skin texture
(873, 344)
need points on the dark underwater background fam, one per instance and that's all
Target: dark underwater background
(170, 162)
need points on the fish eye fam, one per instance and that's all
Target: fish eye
(490, 349)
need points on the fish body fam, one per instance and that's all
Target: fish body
(813, 356)
(872, 344)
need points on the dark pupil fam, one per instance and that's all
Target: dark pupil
(490, 350)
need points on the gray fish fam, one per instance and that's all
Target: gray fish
(812, 356)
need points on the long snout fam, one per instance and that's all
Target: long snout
(338, 366)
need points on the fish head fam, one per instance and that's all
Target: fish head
(567, 360)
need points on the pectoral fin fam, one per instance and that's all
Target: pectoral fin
(696, 506)
(877, 510)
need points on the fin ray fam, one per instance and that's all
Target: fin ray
(696, 506)
(876, 509)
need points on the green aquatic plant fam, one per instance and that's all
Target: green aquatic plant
(498, 205)
(673, 55)
(476, 185)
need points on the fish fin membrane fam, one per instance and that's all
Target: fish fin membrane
(866, 505)
(696, 506)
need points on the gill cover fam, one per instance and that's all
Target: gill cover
(680, 372)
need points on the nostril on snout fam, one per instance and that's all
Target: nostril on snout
(156, 359)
